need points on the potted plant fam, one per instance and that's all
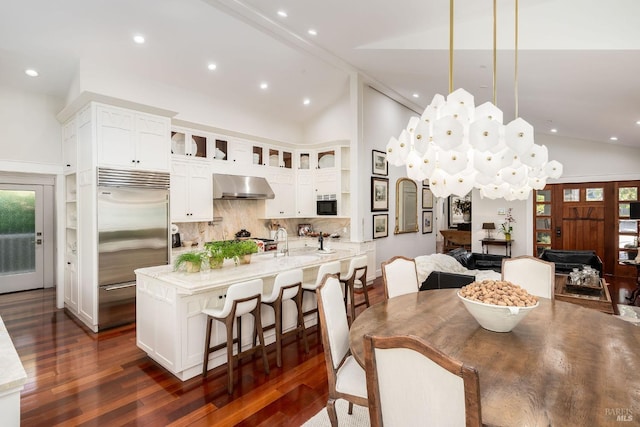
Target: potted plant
(244, 249)
(215, 254)
(506, 228)
(192, 261)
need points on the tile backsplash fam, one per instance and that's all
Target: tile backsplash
(247, 214)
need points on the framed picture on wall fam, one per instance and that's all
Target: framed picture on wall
(427, 198)
(380, 226)
(427, 222)
(379, 194)
(379, 164)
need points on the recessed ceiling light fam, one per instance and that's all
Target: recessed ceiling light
(212, 66)
(138, 39)
(31, 72)
(415, 95)
(312, 32)
(282, 13)
(306, 101)
(613, 138)
(554, 130)
(264, 85)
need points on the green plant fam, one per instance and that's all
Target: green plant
(195, 258)
(230, 249)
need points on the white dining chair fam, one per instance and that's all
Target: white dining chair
(400, 276)
(411, 383)
(532, 274)
(309, 288)
(242, 298)
(356, 277)
(287, 286)
(345, 376)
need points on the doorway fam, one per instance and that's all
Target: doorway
(21, 237)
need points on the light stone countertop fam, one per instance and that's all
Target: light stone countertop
(12, 373)
(262, 265)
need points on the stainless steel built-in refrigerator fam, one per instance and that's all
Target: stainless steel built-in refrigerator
(133, 232)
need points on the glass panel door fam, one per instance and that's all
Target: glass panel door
(21, 239)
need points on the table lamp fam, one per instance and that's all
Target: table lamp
(489, 226)
(634, 213)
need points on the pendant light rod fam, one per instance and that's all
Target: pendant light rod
(450, 46)
(495, 69)
(516, 63)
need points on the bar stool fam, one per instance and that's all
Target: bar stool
(356, 276)
(287, 286)
(242, 298)
(310, 287)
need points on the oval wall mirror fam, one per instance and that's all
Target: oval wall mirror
(406, 206)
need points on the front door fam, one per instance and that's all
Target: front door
(21, 239)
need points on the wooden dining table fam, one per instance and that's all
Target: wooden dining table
(562, 365)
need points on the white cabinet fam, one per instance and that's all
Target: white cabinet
(69, 146)
(187, 143)
(305, 194)
(283, 205)
(129, 139)
(191, 191)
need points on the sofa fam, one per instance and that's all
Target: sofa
(566, 261)
(444, 271)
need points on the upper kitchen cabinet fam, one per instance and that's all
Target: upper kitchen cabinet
(231, 153)
(69, 146)
(129, 139)
(191, 191)
(326, 159)
(188, 144)
(279, 158)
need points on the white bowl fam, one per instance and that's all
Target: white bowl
(496, 318)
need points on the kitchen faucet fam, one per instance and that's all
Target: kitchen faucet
(279, 234)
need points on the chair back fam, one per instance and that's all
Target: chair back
(287, 278)
(357, 268)
(400, 276)
(533, 274)
(410, 383)
(332, 267)
(240, 291)
(333, 321)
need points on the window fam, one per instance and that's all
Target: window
(627, 228)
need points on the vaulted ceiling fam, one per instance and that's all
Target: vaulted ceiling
(578, 62)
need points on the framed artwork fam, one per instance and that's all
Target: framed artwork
(427, 198)
(456, 218)
(379, 194)
(427, 222)
(380, 226)
(379, 165)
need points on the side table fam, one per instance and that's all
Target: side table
(496, 242)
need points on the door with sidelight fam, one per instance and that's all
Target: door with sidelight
(21, 237)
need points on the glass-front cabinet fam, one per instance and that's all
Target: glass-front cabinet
(186, 143)
(627, 228)
(543, 224)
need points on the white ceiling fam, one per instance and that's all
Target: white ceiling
(578, 60)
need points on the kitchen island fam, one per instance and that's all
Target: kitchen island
(170, 326)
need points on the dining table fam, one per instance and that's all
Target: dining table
(562, 365)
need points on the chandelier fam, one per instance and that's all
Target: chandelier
(458, 146)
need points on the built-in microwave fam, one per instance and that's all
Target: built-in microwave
(327, 205)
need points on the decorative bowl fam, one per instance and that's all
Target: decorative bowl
(496, 318)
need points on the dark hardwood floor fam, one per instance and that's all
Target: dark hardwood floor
(76, 377)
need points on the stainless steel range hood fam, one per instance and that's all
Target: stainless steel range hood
(241, 187)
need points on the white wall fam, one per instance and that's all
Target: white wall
(29, 131)
(587, 161)
(382, 119)
(190, 106)
(333, 124)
